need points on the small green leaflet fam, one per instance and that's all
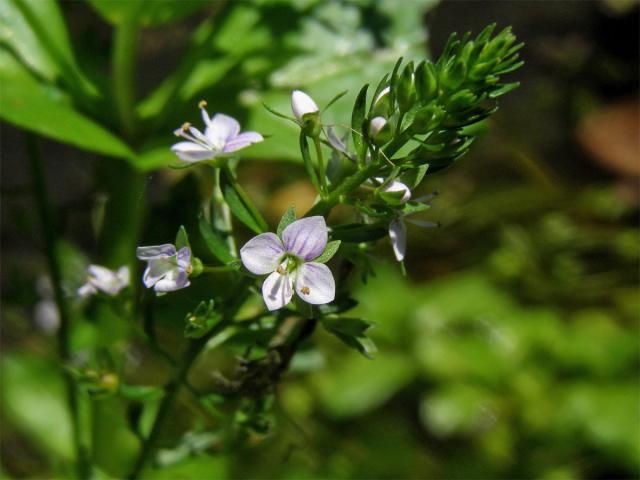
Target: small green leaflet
(240, 204)
(287, 219)
(182, 239)
(329, 251)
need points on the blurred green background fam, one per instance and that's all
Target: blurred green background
(510, 350)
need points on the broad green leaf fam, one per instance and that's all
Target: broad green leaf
(148, 12)
(352, 332)
(329, 251)
(217, 245)
(47, 111)
(240, 204)
(287, 219)
(35, 31)
(34, 402)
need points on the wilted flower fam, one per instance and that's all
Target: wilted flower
(398, 229)
(102, 279)
(302, 104)
(167, 269)
(222, 135)
(288, 261)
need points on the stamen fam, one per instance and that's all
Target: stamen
(280, 270)
(189, 270)
(202, 103)
(185, 126)
(305, 290)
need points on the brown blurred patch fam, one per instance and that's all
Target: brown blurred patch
(299, 193)
(611, 136)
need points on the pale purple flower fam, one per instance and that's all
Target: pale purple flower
(101, 279)
(221, 136)
(397, 227)
(289, 263)
(302, 104)
(167, 270)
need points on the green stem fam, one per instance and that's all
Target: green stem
(218, 269)
(348, 185)
(180, 377)
(123, 62)
(222, 214)
(43, 206)
(321, 167)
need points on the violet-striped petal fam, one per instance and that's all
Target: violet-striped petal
(277, 290)
(222, 128)
(306, 238)
(183, 258)
(156, 270)
(173, 280)
(262, 253)
(315, 283)
(192, 152)
(155, 251)
(398, 236)
(241, 141)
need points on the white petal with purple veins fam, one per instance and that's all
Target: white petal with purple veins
(243, 140)
(183, 258)
(306, 238)
(315, 283)
(155, 251)
(398, 236)
(192, 152)
(222, 128)
(262, 253)
(156, 270)
(277, 290)
(173, 280)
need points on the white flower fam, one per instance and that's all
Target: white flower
(302, 104)
(102, 279)
(288, 261)
(376, 124)
(222, 135)
(167, 270)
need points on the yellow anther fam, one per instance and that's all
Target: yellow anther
(280, 270)
(185, 126)
(202, 103)
(189, 270)
(305, 290)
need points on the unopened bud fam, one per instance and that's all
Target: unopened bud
(306, 112)
(380, 130)
(406, 89)
(196, 267)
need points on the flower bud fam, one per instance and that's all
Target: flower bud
(426, 118)
(426, 81)
(306, 112)
(406, 89)
(382, 102)
(380, 130)
(196, 267)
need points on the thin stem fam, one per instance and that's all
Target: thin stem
(123, 61)
(321, 167)
(43, 207)
(180, 377)
(217, 269)
(222, 214)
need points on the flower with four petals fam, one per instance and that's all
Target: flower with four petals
(288, 261)
(221, 136)
(167, 270)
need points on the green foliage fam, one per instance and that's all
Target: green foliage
(287, 219)
(240, 204)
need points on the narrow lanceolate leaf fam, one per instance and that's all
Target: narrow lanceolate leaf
(217, 245)
(308, 164)
(182, 239)
(288, 218)
(240, 204)
(335, 99)
(357, 120)
(330, 250)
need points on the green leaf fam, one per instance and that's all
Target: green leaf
(278, 114)
(357, 121)
(329, 252)
(335, 99)
(352, 333)
(147, 12)
(48, 112)
(287, 219)
(141, 393)
(217, 245)
(201, 320)
(356, 233)
(182, 239)
(240, 204)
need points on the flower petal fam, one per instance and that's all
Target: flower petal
(156, 270)
(124, 276)
(262, 253)
(155, 251)
(174, 280)
(192, 152)
(398, 236)
(222, 128)
(301, 104)
(86, 290)
(183, 257)
(306, 238)
(315, 283)
(395, 186)
(277, 290)
(243, 140)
